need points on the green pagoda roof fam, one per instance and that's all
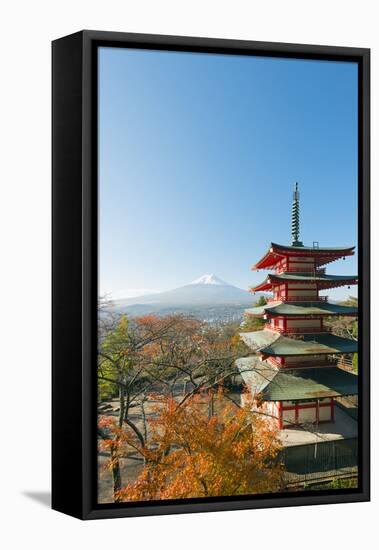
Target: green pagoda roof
(306, 308)
(256, 374)
(327, 281)
(272, 343)
(295, 384)
(305, 277)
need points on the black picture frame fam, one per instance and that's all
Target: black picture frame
(74, 271)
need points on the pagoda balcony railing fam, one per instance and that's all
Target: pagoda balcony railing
(346, 362)
(299, 299)
(313, 363)
(299, 330)
(312, 272)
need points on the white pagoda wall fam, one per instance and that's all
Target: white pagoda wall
(307, 415)
(325, 414)
(288, 417)
(285, 414)
(307, 412)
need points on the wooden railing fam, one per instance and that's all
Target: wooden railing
(299, 330)
(299, 299)
(345, 362)
(314, 363)
(325, 361)
(311, 272)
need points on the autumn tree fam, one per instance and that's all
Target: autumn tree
(194, 454)
(171, 356)
(198, 354)
(347, 327)
(124, 372)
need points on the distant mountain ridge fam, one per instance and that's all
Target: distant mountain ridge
(207, 297)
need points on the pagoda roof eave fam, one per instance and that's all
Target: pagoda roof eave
(261, 287)
(324, 255)
(316, 250)
(271, 343)
(255, 373)
(274, 309)
(325, 281)
(295, 384)
(311, 383)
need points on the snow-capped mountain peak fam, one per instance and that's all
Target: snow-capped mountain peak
(206, 297)
(208, 279)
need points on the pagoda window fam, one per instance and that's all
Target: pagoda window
(301, 259)
(302, 292)
(299, 264)
(306, 285)
(305, 267)
(302, 289)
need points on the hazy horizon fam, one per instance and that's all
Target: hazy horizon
(141, 292)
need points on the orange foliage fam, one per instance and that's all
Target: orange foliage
(192, 454)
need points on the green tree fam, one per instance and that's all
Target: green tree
(252, 323)
(261, 301)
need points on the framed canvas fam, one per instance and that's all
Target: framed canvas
(210, 274)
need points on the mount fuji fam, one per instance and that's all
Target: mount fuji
(209, 280)
(208, 297)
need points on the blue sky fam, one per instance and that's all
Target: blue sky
(198, 154)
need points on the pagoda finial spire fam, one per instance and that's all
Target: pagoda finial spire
(295, 225)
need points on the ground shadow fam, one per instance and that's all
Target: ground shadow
(42, 497)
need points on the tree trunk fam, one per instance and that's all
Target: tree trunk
(121, 414)
(116, 470)
(211, 409)
(116, 475)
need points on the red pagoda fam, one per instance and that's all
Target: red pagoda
(294, 368)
